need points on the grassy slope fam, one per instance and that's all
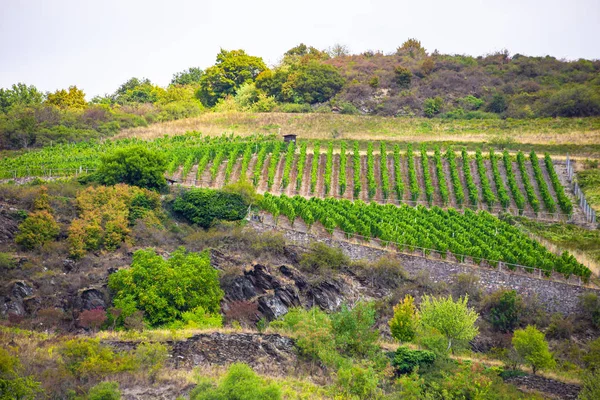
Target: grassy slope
(581, 135)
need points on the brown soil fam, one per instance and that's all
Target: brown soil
(291, 188)
(348, 194)
(477, 181)
(437, 197)
(451, 193)
(262, 184)
(305, 188)
(334, 189)
(276, 188)
(320, 188)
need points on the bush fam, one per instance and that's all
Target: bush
(205, 206)
(589, 303)
(404, 323)
(13, 383)
(240, 383)
(591, 386)
(432, 106)
(182, 283)
(151, 357)
(6, 261)
(406, 360)
(321, 257)
(294, 108)
(355, 335)
(39, 228)
(136, 166)
(92, 319)
(86, 358)
(357, 382)
(505, 310)
(105, 391)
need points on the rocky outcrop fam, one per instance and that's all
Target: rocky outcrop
(276, 290)
(554, 389)
(19, 300)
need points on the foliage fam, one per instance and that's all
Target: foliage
(358, 382)
(106, 215)
(459, 194)
(136, 166)
(105, 391)
(589, 303)
(404, 323)
(39, 228)
(353, 328)
(205, 206)
(13, 383)
(19, 95)
(471, 187)
(87, 358)
(240, 383)
(529, 190)
(190, 76)
(406, 360)
(7, 261)
(315, 166)
(371, 182)
(531, 345)
(231, 70)
(403, 77)
(73, 98)
(151, 357)
(181, 283)
(322, 257)
(591, 386)
(453, 319)
(92, 319)
(432, 106)
(412, 174)
(505, 311)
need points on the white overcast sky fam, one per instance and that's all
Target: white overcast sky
(97, 45)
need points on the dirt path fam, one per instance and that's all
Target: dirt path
(220, 177)
(475, 174)
(291, 188)
(420, 180)
(437, 197)
(461, 175)
(251, 166)
(348, 194)
(392, 173)
(192, 180)
(490, 177)
(334, 190)
(235, 173)
(320, 188)
(535, 185)
(404, 171)
(305, 188)
(451, 193)
(262, 184)
(363, 179)
(276, 188)
(377, 169)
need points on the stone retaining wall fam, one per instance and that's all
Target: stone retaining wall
(555, 296)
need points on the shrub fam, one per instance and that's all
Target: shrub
(92, 319)
(321, 257)
(432, 106)
(105, 391)
(406, 360)
(13, 383)
(505, 312)
(531, 345)
(136, 166)
(589, 303)
(39, 228)
(204, 206)
(6, 261)
(466, 284)
(591, 386)
(354, 331)
(86, 358)
(151, 357)
(182, 283)
(240, 383)
(404, 323)
(357, 382)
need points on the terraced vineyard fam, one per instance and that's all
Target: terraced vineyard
(520, 184)
(477, 235)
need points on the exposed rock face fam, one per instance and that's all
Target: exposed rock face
(265, 353)
(91, 298)
(8, 225)
(19, 299)
(555, 389)
(276, 290)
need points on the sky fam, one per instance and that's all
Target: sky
(97, 45)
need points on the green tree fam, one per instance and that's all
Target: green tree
(19, 95)
(240, 383)
(105, 391)
(164, 289)
(506, 311)
(432, 106)
(135, 166)
(453, 319)
(405, 321)
(406, 360)
(531, 345)
(137, 90)
(13, 383)
(73, 98)
(313, 82)
(205, 206)
(354, 330)
(232, 69)
(412, 47)
(39, 228)
(498, 104)
(190, 76)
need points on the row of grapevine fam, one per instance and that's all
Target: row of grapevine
(356, 165)
(258, 167)
(399, 184)
(412, 174)
(383, 169)
(488, 194)
(529, 191)
(216, 166)
(563, 201)
(328, 168)
(371, 185)
(290, 154)
(471, 187)
(343, 163)
(273, 163)
(315, 166)
(246, 158)
(512, 182)
(477, 235)
(459, 193)
(541, 182)
(503, 197)
(232, 160)
(301, 165)
(439, 169)
(426, 175)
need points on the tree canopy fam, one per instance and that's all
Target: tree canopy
(532, 346)
(135, 166)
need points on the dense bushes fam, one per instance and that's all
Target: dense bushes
(106, 215)
(205, 206)
(166, 289)
(135, 166)
(406, 360)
